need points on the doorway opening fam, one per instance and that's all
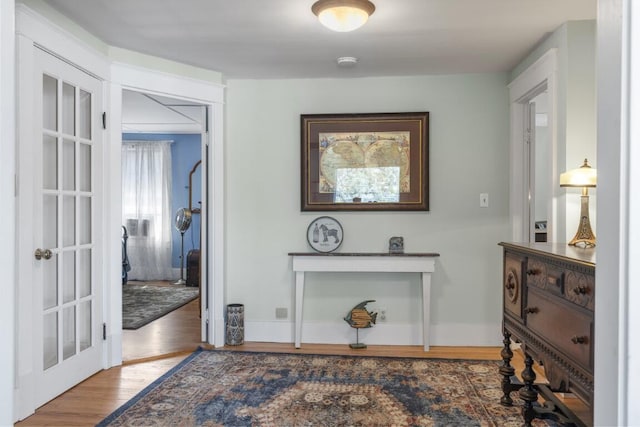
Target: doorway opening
(537, 140)
(162, 198)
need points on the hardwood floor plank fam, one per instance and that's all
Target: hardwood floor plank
(175, 332)
(92, 400)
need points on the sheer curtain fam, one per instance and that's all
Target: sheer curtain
(146, 208)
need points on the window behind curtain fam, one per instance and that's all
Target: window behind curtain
(146, 208)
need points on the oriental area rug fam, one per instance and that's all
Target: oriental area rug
(143, 303)
(229, 388)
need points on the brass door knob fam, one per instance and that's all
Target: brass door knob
(43, 253)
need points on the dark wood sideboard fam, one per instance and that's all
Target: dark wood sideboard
(548, 303)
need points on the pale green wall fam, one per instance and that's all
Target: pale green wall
(469, 122)
(581, 133)
(154, 63)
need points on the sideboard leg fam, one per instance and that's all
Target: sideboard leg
(506, 370)
(528, 393)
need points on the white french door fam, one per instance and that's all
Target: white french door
(67, 288)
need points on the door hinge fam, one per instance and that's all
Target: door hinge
(104, 120)
(104, 331)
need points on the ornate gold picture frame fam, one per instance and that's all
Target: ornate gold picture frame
(365, 162)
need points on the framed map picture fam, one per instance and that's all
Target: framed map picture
(365, 162)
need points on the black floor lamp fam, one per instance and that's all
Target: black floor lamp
(182, 223)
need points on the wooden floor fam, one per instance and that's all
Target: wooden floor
(162, 346)
(176, 332)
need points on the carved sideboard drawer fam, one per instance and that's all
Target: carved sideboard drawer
(570, 331)
(544, 276)
(580, 288)
(512, 286)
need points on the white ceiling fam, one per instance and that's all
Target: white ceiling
(142, 112)
(283, 39)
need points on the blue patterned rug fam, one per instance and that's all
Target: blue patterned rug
(231, 388)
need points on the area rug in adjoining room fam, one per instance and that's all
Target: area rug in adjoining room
(228, 388)
(143, 303)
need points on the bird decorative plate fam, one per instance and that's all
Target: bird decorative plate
(324, 234)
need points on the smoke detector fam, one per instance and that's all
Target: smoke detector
(347, 61)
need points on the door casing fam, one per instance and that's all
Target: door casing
(126, 77)
(521, 90)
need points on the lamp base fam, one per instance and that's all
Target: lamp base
(584, 236)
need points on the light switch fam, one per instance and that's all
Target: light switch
(484, 200)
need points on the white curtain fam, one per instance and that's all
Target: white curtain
(146, 208)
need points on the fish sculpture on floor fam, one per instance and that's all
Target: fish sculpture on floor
(359, 318)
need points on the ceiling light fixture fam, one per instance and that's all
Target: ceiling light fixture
(347, 61)
(343, 15)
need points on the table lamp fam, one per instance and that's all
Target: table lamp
(584, 177)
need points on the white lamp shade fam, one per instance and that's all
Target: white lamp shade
(343, 19)
(584, 176)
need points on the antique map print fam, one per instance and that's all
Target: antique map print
(364, 165)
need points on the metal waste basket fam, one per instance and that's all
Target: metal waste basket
(235, 324)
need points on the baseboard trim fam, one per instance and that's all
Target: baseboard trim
(453, 334)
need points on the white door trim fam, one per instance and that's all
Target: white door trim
(541, 72)
(8, 304)
(630, 316)
(125, 76)
(617, 346)
(216, 256)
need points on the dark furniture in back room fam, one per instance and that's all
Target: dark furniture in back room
(193, 268)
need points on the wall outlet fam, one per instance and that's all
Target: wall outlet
(383, 314)
(282, 313)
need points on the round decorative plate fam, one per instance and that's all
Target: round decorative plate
(324, 234)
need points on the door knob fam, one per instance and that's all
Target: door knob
(43, 253)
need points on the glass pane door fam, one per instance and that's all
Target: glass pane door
(68, 296)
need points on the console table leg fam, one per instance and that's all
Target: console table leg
(299, 300)
(528, 393)
(506, 370)
(426, 309)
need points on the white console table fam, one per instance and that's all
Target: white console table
(423, 263)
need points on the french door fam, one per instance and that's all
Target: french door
(66, 183)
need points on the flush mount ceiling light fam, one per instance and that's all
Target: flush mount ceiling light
(343, 15)
(347, 61)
